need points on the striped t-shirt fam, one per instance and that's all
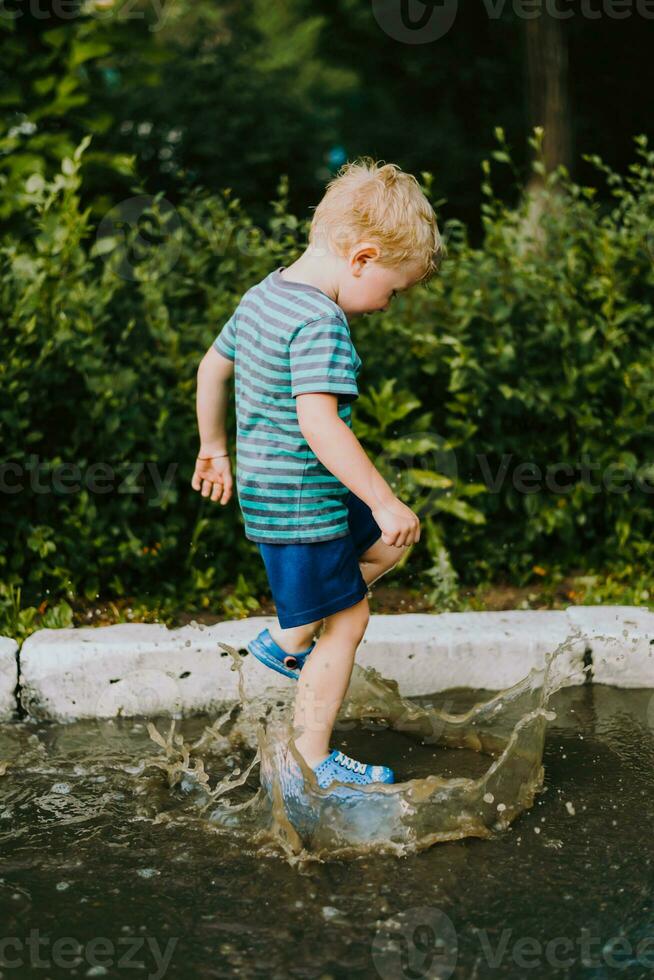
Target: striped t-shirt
(287, 338)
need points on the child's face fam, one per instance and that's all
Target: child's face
(370, 286)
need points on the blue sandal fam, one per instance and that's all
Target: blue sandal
(264, 648)
(338, 766)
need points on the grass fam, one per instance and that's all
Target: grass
(548, 590)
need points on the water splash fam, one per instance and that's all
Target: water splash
(310, 824)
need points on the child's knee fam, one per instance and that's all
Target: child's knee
(393, 559)
(382, 556)
(350, 622)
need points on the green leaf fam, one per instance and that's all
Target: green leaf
(79, 150)
(43, 85)
(427, 478)
(460, 509)
(35, 184)
(57, 36)
(102, 246)
(85, 50)
(472, 489)
(416, 446)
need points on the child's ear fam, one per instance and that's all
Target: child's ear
(364, 253)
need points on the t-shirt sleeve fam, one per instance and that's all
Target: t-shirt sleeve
(225, 342)
(322, 358)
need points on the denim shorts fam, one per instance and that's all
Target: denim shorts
(313, 580)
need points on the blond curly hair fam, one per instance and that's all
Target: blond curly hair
(378, 202)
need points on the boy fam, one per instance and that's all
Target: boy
(325, 521)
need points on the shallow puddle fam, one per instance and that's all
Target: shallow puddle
(122, 853)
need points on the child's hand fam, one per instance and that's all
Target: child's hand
(213, 477)
(400, 527)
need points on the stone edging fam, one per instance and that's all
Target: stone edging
(130, 669)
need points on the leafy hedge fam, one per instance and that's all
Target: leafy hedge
(538, 348)
(537, 345)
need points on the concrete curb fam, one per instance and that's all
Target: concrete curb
(134, 669)
(8, 676)
(622, 642)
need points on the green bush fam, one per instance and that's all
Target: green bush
(536, 345)
(538, 348)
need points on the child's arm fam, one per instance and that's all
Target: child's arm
(213, 474)
(339, 450)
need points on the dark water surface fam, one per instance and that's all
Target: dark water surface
(114, 853)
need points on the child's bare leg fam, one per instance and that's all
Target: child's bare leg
(378, 559)
(374, 563)
(325, 678)
(295, 639)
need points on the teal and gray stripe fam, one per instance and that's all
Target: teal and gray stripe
(287, 339)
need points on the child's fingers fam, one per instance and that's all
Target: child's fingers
(227, 490)
(222, 490)
(218, 488)
(405, 539)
